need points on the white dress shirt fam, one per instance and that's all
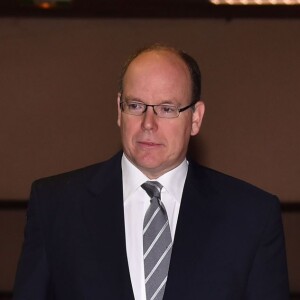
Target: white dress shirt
(136, 203)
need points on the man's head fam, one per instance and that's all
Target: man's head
(159, 75)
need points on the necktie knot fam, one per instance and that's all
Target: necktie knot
(152, 188)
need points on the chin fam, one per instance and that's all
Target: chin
(148, 166)
(150, 160)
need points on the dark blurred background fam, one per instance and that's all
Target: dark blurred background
(59, 66)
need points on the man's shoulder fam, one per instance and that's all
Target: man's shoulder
(229, 196)
(225, 186)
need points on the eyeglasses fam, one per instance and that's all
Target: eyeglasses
(168, 111)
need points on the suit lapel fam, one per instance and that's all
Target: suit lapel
(104, 218)
(195, 222)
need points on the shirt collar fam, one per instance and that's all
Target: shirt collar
(172, 181)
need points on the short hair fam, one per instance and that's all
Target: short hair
(189, 61)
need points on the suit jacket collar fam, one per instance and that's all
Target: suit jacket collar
(104, 216)
(109, 174)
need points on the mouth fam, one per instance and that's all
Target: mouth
(148, 144)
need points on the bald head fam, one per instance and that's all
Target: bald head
(158, 72)
(189, 62)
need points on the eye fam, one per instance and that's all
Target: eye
(135, 106)
(168, 109)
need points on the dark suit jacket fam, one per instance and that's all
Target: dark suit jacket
(229, 240)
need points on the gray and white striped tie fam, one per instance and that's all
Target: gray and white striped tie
(157, 243)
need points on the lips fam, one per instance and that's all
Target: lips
(148, 144)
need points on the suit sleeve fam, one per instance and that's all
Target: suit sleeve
(32, 278)
(268, 278)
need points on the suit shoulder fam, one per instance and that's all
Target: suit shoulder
(234, 202)
(230, 187)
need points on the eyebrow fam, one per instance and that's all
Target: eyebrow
(133, 99)
(164, 102)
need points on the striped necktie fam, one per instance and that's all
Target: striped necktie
(157, 242)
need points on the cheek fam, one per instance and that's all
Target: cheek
(174, 137)
(180, 136)
(182, 131)
(128, 130)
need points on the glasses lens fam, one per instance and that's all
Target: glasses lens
(166, 111)
(133, 108)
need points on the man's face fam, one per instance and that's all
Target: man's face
(157, 145)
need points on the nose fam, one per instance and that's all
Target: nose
(149, 121)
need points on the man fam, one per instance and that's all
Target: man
(148, 224)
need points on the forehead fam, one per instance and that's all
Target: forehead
(157, 74)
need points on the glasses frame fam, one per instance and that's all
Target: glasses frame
(179, 110)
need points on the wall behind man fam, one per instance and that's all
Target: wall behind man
(58, 101)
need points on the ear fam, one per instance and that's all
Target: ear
(197, 117)
(119, 110)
